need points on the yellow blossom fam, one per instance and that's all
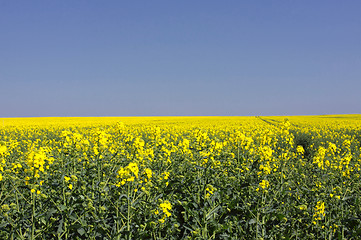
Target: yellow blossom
(264, 184)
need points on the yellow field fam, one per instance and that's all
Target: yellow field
(278, 177)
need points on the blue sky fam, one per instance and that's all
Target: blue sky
(156, 58)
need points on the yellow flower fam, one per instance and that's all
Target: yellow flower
(165, 175)
(131, 179)
(3, 149)
(319, 210)
(300, 149)
(209, 190)
(70, 186)
(166, 206)
(264, 184)
(148, 172)
(74, 178)
(139, 143)
(133, 167)
(303, 207)
(125, 173)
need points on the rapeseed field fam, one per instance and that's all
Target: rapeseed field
(181, 178)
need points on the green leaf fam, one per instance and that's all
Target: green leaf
(62, 207)
(214, 210)
(252, 221)
(60, 227)
(81, 231)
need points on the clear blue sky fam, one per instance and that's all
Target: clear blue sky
(141, 58)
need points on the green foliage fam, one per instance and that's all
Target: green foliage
(219, 184)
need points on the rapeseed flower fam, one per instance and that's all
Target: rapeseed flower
(319, 210)
(264, 184)
(166, 207)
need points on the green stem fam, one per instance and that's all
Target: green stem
(257, 223)
(129, 195)
(117, 221)
(64, 201)
(128, 212)
(18, 209)
(33, 216)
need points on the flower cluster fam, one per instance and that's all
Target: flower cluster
(319, 210)
(165, 207)
(128, 174)
(38, 162)
(264, 184)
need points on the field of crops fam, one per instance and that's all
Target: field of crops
(181, 178)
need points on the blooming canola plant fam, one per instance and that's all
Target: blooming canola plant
(180, 177)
